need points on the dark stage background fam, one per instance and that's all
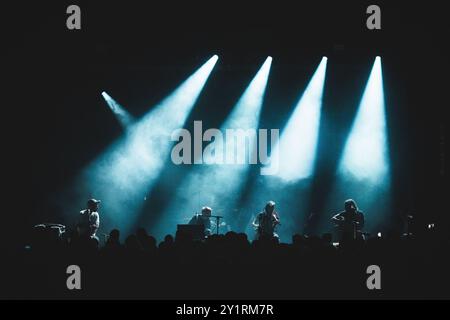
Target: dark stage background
(55, 121)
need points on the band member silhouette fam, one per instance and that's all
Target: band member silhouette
(89, 220)
(203, 219)
(350, 222)
(266, 221)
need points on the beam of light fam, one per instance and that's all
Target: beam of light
(246, 113)
(124, 118)
(295, 153)
(291, 163)
(363, 172)
(125, 174)
(365, 152)
(218, 185)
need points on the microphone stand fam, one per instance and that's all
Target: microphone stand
(217, 222)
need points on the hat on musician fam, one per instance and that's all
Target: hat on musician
(93, 202)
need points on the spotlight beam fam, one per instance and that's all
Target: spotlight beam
(363, 172)
(365, 152)
(124, 118)
(126, 172)
(295, 153)
(219, 185)
(292, 159)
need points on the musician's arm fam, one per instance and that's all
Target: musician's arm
(337, 218)
(95, 222)
(255, 222)
(276, 218)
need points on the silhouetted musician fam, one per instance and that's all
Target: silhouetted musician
(349, 222)
(203, 219)
(89, 219)
(266, 221)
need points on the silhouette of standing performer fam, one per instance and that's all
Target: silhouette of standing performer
(203, 219)
(89, 220)
(350, 222)
(266, 221)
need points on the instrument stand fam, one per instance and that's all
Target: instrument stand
(217, 222)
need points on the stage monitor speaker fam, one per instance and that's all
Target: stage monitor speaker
(193, 231)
